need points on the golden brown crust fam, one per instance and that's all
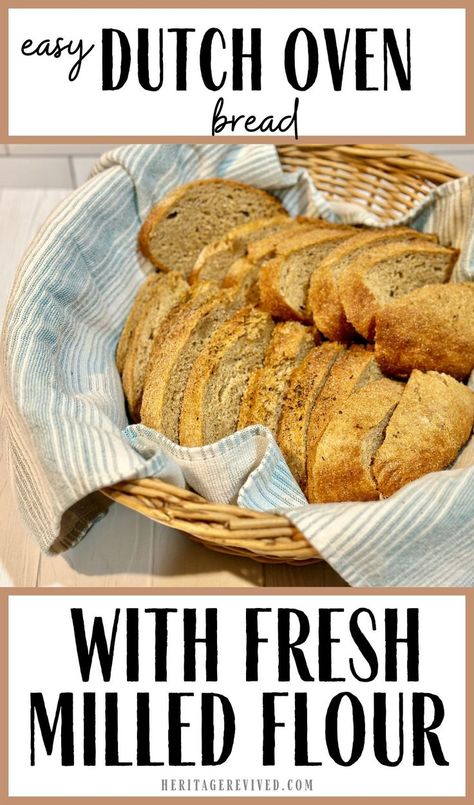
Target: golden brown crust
(167, 348)
(144, 293)
(343, 464)
(324, 298)
(168, 292)
(433, 421)
(273, 296)
(431, 328)
(266, 248)
(342, 381)
(235, 243)
(160, 210)
(237, 272)
(261, 403)
(305, 385)
(357, 291)
(248, 322)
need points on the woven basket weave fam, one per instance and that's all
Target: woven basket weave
(388, 180)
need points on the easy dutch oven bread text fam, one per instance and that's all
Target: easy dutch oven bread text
(349, 344)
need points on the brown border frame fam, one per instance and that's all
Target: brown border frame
(468, 5)
(5, 594)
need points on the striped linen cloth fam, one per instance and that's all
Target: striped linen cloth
(66, 421)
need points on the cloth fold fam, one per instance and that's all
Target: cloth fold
(66, 422)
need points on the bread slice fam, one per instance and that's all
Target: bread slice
(215, 258)
(145, 292)
(305, 385)
(176, 347)
(163, 295)
(244, 271)
(342, 469)
(266, 248)
(195, 214)
(353, 369)
(429, 328)
(323, 295)
(220, 375)
(263, 398)
(387, 272)
(433, 421)
(284, 280)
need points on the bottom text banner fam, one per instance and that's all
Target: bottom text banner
(236, 695)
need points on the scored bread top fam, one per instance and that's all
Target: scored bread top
(176, 347)
(342, 469)
(220, 375)
(305, 384)
(386, 272)
(215, 258)
(433, 421)
(284, 280)
(429, 328)
(323, 295)
(262, 401)
(194, 214)
(352, 369)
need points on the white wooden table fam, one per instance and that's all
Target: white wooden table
(124, 549)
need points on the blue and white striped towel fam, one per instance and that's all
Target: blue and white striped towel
(66, 421)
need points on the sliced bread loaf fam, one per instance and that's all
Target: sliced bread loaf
(145, 292)
(387, 272)
(167, 294)
(262, 401)
(342, 469)
(220, 375)
(244, 272)
(176, 347)
(266, 248)
(197, 213)
(353, 369)
(284, 280)
(215, 258)
(433, 421)
(429, 328)
(324, 300)
(305, 385)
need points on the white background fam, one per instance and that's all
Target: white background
(42, 102)
(42, 657)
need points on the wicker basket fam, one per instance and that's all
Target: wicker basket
(388, 180)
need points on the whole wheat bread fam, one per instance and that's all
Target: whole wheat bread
(433, 421)
(195, 214)
(305, 384)
(263, 398)
(353, 369)
(166, 292)
(214, 260)
(342, 468)
(387, 272)
(431, 328)
(145, 292)
(177, 346)
(220, 375)
(284, 280)
(324, 299)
